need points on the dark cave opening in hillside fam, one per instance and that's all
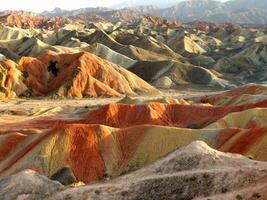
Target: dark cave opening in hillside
(53, 68)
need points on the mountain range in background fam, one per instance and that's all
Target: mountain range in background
(233, 11)
(157, 3)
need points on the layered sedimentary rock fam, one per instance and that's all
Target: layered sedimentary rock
(125, 137)
(222, 57)
(80, 75)
(56, 133)
(242, 95)
(114, 151)
(170, 74)
(11, 80)
(25, 20)
(195, 171)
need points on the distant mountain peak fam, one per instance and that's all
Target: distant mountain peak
(137, 3)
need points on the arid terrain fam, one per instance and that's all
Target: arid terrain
(120, 105)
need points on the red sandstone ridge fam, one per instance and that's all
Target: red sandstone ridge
(92, 151)
(80, 75)
(22, 19)
(25, 20)
(189, 116)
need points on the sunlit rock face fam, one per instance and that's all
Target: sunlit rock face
(132, 107)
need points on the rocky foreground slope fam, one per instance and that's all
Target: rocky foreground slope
(195, 171)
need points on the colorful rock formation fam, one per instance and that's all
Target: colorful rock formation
(80, 75)
(119, 138)
(195, 171)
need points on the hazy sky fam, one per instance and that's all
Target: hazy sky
(41, 5)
